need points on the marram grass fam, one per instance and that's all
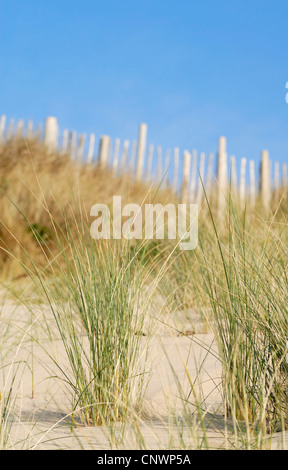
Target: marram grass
(97, 294)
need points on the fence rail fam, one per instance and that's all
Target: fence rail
(137, 159)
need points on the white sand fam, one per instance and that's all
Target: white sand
(44, 423)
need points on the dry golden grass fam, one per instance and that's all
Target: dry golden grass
(39, 185)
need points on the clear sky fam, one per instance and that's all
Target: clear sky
(192, 70)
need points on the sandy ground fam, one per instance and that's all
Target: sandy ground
(43, 422)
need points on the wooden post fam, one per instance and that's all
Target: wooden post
(149, 162)
(176, 170)
(201, 178)
(222, 176)
(209, 176)
(2, 127)
(104, 151)
(65, 141)
(51, 132)
(284, 175)
(252, 183)
(233, 176)
(91, 149)
(242, 189)
(124, 158)
(30, 129)
(133, 157)
(20, 129)
(193, 177)
(276, 180)
(141, 151)
(73, 145)
(159, 165)
(80, 149)
(10, 129)
(166, 167)
(265, 180)
(116, 156)
(186, 174)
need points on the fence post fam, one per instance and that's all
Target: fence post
(65, 141)
(159, 165)
(265, 180)
(201, 178)
(222, 176)
(276, 179)
(30, 129)
(116, 156)
(20, 129)
(233, 175)
(284, 175)
(149, 162)
(2, 127)
(209, 175)
(73, 144)
(91, 149)
(252, 183)
(124, 158)
(10, 129)
(133, 157)
(104, 151)
(192, 195)
(80, 150)
(186, 174)
(166, 167)
(176, 170)
(242, 188)
(51, 132)
(141, 151)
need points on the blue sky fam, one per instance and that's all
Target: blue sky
(191, 70)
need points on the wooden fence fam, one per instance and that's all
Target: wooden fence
(185, 176)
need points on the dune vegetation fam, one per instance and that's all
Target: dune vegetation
(87, 312)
